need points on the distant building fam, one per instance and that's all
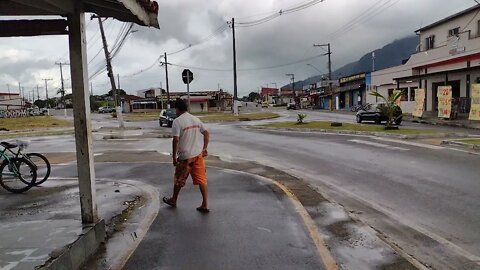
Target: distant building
(200, 101)
(10, 101)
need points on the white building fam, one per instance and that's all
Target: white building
(448, 54)
(10, 101)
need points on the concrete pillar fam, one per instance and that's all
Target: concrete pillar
(81, 114)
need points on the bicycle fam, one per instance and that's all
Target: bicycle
(17, 175)
(40, 161)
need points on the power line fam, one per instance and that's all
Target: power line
(248, 69)
(281, 12)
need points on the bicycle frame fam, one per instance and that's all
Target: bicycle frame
(3, 158)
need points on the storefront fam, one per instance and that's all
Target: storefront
(352, 91)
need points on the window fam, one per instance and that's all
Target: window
(430, 42)
(478, 28)
(412, 93)
(454, 32)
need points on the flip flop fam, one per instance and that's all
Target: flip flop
(203, 210)
(167, 201)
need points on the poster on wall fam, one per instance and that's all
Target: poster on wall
(398, 101)
(475, 108)
(419, 103)
(444, 94)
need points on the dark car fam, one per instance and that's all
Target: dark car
(375, 115)
(167, 117)
(291, 106)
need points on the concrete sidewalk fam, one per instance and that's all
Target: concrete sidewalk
(44, 224)
(253, 225)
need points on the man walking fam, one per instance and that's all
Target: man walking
(190, 143)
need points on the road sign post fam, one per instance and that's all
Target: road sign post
(187, 77)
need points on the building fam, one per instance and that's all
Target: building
(200, 101)
(270, 95)
(448, 54)
(352, 91)
(10, 101)
(321, 95)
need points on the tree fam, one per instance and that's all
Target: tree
(389, 107)
(120, 92)
(40, 103)
(254, 96)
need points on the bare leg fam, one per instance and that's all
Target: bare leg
(176, 191)
(204, 191)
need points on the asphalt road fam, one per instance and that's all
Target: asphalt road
(423, 198)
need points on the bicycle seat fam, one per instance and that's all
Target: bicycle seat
(8, 145)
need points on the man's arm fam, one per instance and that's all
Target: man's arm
(206, 140)
(175, 150)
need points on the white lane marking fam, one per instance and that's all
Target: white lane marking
(428, 146)
(386, 146)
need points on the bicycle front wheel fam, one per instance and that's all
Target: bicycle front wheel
(17, 175)
(43, 167)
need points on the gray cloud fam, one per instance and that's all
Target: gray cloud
(286, 39)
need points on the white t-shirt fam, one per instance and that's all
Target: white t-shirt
(189, 130)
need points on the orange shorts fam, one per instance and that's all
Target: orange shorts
(192, 166)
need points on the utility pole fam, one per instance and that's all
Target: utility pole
(329, 53)
(108, 59)
(235, 86)
(46, 90)
(292, 77)
(373, 61)
(91, 88)
(8, 87)
(110, 72)
(20, 92)
(118, 80)
(166, 78)
(63, 85)
(38, 93)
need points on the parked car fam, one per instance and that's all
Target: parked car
(265, 105)
(106, 109)
(291, 106)
(374, 114)
(166, 117)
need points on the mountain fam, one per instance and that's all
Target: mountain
(390, 55)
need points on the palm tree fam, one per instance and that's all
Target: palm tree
(389, 107)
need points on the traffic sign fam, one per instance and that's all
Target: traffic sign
(187, 76)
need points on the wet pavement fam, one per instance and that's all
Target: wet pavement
(251, 226)
(46, 219)
(421, 198)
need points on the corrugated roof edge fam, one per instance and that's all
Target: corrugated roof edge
(449, 18)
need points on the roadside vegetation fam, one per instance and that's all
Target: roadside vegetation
(325, 125)
(473, 141)
(228, 117)
(33, 123)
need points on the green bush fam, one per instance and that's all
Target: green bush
(301, 118)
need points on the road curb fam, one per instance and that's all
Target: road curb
(461, 144)
(76, 254)
(307, 198)
(445, 124)
(363, 133)
(317, 238)
(120, 246)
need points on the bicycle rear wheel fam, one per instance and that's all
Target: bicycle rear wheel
(43, 167)
(17, 175)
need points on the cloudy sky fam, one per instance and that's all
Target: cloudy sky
(353, 27)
